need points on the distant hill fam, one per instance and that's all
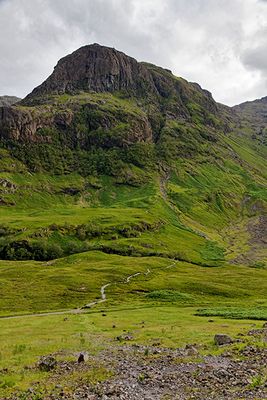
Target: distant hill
(8, 100)
(255, 113)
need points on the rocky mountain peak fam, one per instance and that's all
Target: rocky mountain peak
(95, 68)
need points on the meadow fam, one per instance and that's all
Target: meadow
(177, 303)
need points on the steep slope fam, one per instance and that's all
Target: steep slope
(181, 175)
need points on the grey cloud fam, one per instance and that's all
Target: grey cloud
(256, 58)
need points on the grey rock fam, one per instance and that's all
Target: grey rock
(191, 350)
(7, 186)
(47, 363)
(222, 339)
(83, 357)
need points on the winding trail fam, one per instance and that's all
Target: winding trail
(82, 309)
(103, 288)
(171, 265)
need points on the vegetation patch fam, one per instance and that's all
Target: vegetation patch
(256, 313)
(169, 296)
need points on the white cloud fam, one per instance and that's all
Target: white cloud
(217, 43)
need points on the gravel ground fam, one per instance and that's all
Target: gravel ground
(153, 373)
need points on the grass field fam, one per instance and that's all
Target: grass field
(76, 280)
(170, 306)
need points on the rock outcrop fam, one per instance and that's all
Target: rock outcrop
(96, 68)
(22, 124)
(38, 125)
(17, 124)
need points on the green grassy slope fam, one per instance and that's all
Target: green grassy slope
(76, 280)
(195, 193)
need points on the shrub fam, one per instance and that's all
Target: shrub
(23, 250)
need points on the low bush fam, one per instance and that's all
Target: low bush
(24, 250)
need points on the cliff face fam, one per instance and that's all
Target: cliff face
(96, 68)
(22, 124)
(76, 125)
(15, 123)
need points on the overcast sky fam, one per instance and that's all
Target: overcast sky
(221, 44)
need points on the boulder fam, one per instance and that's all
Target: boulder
(222, 339)
(47, 363)
(6, 186)
(191, 350)
(126, 337)
(83, 357)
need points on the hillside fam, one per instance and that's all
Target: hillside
(124, 126)
(124, 187)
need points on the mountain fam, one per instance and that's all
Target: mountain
(255, 114)
(95, 69)
(8, 100)
(120, 134)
